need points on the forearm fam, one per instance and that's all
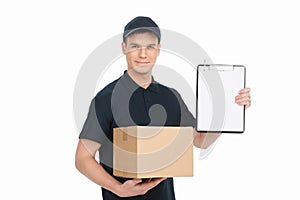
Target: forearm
(96, 173)
(203, 140)
(85, 163)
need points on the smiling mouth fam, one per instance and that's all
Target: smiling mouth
(142, 63)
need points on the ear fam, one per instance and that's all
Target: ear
(123, 45)
(158, 50)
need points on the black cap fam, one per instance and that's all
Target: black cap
(141, 23)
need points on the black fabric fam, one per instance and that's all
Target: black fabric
(164, 190)
(141, 23)
(124, 103)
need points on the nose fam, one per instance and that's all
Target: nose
(142, 52)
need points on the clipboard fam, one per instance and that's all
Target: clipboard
(217, 86)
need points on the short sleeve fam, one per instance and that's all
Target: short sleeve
(187, 118)
(92, 129)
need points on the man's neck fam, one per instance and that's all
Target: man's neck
(143, 80)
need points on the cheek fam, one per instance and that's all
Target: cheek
(129, 56)
(130, 59)
(153, 57)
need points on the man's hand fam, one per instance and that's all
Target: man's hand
(243, 98)
(204, 140)
(136, 187)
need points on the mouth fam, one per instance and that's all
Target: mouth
(142, 62)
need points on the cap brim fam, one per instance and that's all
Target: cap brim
(155, 30)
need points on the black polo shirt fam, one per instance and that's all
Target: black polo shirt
(124, 103)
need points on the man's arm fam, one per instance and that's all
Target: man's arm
(204, 140)
(86, 163)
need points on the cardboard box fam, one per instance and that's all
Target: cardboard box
(148, 152)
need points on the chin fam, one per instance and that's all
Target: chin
(143, 69)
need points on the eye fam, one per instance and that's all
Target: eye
(151, 47)
(133, 46)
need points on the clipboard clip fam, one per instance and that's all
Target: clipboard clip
(219, 68)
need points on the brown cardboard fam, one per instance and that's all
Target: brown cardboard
(148, 152)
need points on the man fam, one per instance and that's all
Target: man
(132, 100)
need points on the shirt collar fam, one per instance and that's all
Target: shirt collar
(129, 82)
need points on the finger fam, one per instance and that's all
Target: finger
(243, 102)
(246, 103)
(241, 99)
(145, 187)
(148, 180)
(244, 90)
(136, 181)
(158, 180)
(151, 184)
(243, 95)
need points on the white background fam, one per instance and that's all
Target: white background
(43, 45)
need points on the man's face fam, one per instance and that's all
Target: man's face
(141, 50)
